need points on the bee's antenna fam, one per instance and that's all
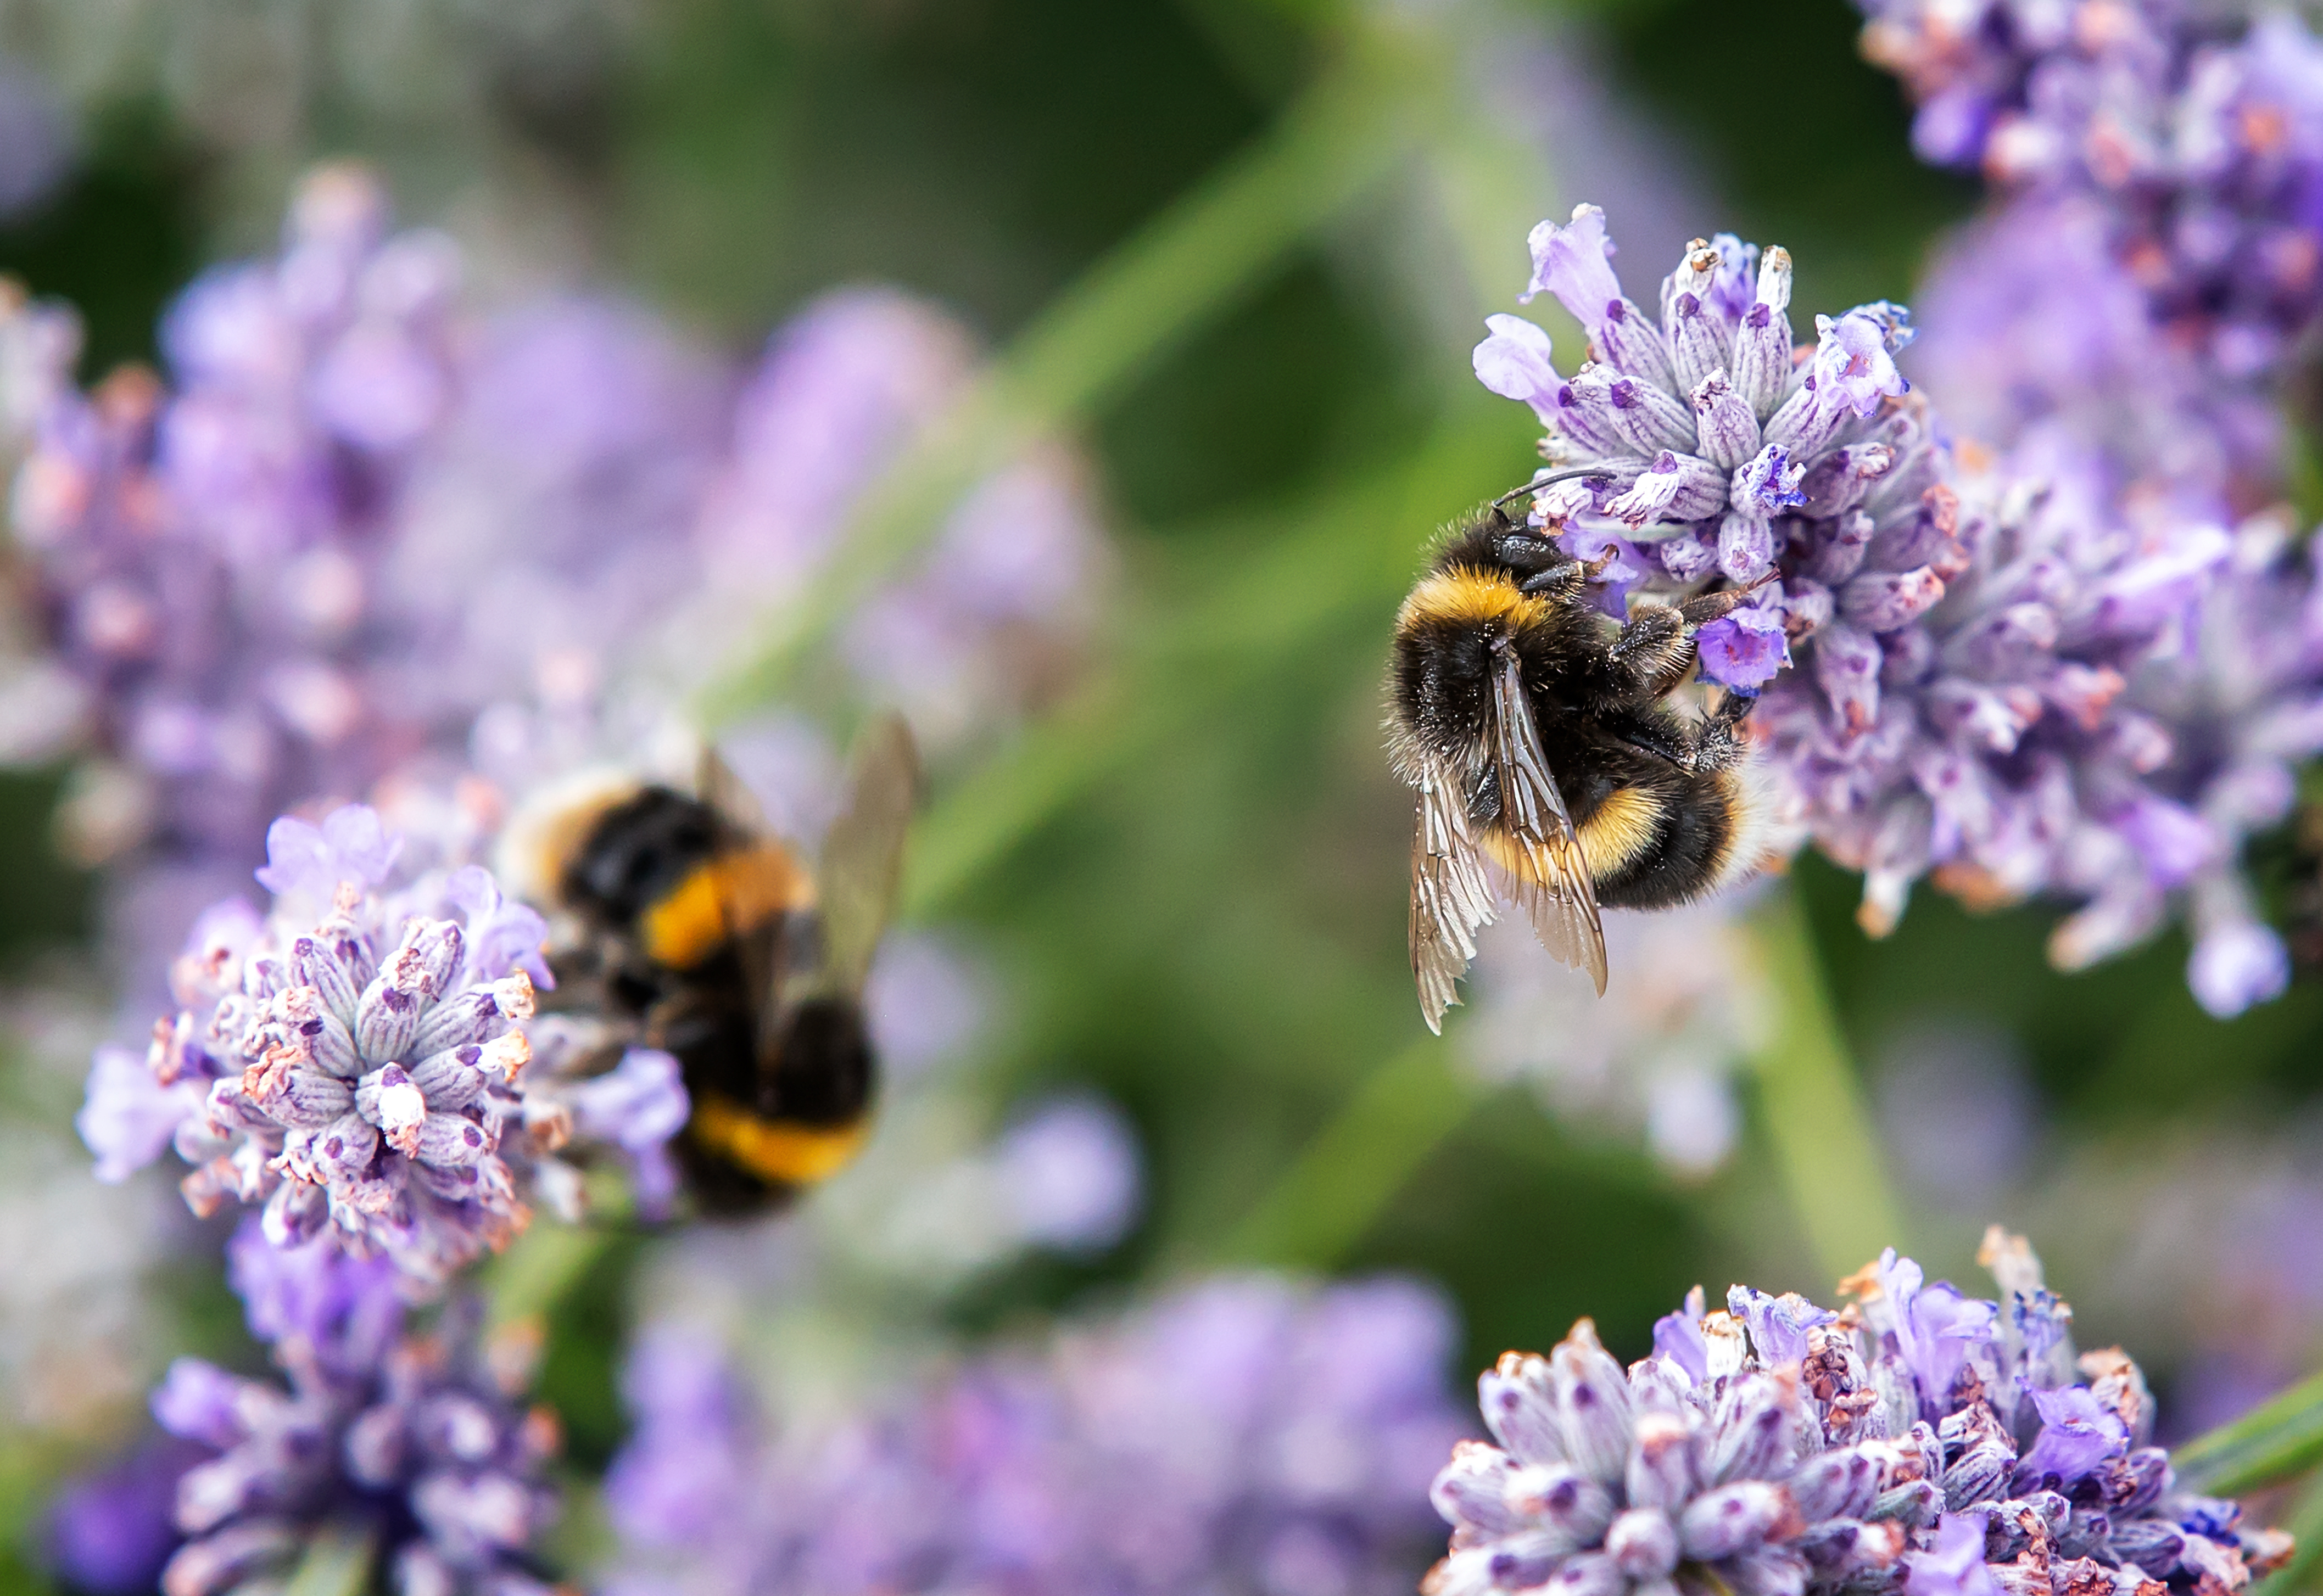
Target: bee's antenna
(1538, 483)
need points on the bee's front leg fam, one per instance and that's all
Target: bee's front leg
(1718, 744)
(1653, 653)
(1559, 574)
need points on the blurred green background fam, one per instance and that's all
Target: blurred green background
(1193, 883)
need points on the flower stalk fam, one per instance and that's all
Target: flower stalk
(1183, 270)
(1826, 1149)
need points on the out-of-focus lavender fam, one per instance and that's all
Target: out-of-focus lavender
(2174, 150)
(994, 618)
(405, 1444)
(1241, 1434)
(2203, 1237)
(369, 539)
(1684, 1007)
(1959, 1119)
(112, 1531)
(1923, 1441)
(357, 1063)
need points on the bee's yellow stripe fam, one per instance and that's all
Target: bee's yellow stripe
(1463, 596)
(736, 892)
(780, 1154)
(1616, 832)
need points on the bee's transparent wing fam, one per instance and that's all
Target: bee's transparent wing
(862, 865)
(1450, 897)
(716, 783)
(1547, 875)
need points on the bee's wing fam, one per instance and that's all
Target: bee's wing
(862, 864)
(716, 785)
(1548, 873)
(1449, 895)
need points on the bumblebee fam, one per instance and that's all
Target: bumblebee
(1533, 731)
(686, 925)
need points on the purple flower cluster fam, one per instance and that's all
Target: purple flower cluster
(2003, 671)
(1241, 1434)
(408, 1442)
(203, 557)
(2199, 129)
(1695, 445)
(356, 1063)
(365, 537)
(1919, 1441)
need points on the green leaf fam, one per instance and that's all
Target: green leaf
(1180, 270)
(1811, 1103)
(2276, 1440)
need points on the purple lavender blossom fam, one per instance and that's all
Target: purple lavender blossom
(2031, 331)
(1701, 444)
(1919, 1441)
(1241, 1434)
(202, 556)
(408, 1440)
(110, 1532)
(356, 1062)
(2197, 131)
(2007, 671)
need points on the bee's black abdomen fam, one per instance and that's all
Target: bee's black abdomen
(825, 1074)
(1694, 842)
(637, 853)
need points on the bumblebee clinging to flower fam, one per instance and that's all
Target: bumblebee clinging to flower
(1532, 727)
(691, 928)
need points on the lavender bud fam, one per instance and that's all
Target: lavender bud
(1734, 1518)
(1514, 1396)
(1727, 433)
(1643, 1544)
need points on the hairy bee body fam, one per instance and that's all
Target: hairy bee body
(688, 909)
(1534, 731)
(682, 924)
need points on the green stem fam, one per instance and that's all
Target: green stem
(539, 1270)
(1348, 1172)
(2305, 1523)
(1826, 1149)
(337, 1562)
(1327, 561)
(1177, 272)
(2271, 1442)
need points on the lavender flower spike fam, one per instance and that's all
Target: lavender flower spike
(1241, 1434)
(356, 1062)
(1918, 1443)
(410, 1442)
(1710, 452)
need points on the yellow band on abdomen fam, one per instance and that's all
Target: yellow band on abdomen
(780, 1154)
(724, 898)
